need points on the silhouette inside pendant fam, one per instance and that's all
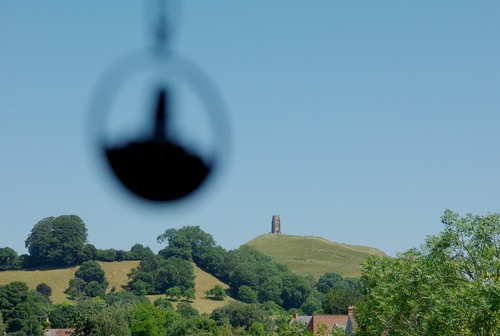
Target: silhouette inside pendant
(156, 168)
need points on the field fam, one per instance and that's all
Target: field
(313, 255)
(116, 273)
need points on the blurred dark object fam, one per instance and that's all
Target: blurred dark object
(157, 169)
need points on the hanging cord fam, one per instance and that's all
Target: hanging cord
(161, 25)
(162, 17)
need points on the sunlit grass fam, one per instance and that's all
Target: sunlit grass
(313, 255)
(116, 274)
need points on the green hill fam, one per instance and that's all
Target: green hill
(313, 255)
(116, 274)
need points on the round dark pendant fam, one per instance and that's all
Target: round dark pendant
(158, 169)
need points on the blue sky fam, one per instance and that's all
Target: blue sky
(360, 122)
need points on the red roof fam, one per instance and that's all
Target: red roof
(329, 320)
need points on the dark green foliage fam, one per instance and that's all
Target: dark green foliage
(328, 281)
(272, 308)
(199, 325)
(216, 293)
(186, 310)
(140, 287)
(179, 248)
(174, 293)
(57, 241)
(353, 283)
(178, 272)
(155, 275)
(247, 294)
(92, 271)
(296, 289)
(120, 255)
(270, 290)
(107, 255)
(256, 329)
(89, 252)
(137, 251)
(93, 289)
(123, 298)
(61, 314)
(95, 317)
(9, 259)
(75, 289)
(90, 281)
(189, 294)
(44, 289)
(163, 304)
(2, 325)
(311, 306)
(242, 315)
(20, 306)
(337, 300)
(189, 240)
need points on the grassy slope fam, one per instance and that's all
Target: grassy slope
(116, 273)
(313, 255)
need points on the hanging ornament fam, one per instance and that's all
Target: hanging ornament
(157, 119)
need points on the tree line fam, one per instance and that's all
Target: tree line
(267, 292)
(62, 241)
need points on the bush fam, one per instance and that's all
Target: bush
(44, 289)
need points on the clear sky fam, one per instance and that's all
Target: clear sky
(356, 121)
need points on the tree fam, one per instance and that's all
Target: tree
(339, 299)
(256, 329)
(328, 281)
(94, 317)
(20, 306)
(296, 289)
(8, 259)
(448, 286)
(60, 315)
(94, 289)
(186, 310)
(189, 294)
(89, 252)
(271, 290)
(242, 315)
(147, 320)
(90, 280)
(247, 294)
(174, 292)
(75, 289)
(193, 243)
(92, 271)
(163, 304)
(57, 241)
(2, 325)
(217, 293)
(311, 306)
(44, 289)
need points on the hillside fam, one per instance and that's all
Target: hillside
(116, 273)
(313, 255)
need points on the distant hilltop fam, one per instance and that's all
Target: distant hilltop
(306, 255)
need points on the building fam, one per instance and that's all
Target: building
(346, 322)
(276, 224)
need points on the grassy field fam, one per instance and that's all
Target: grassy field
(116, 273)
(313, 255)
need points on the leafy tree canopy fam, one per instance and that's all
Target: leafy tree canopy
(92, 271)
(57, 241)
(448, 286)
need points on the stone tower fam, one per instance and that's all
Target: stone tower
(276, 224)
